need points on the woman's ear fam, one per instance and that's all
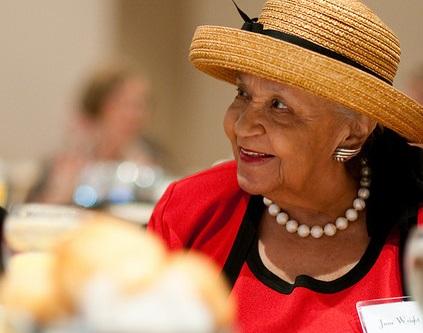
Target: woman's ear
(360, 128)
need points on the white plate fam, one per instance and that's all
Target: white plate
(134, 212)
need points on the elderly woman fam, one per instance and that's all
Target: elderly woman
(311, 216)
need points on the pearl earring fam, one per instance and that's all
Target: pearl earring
(343, 154)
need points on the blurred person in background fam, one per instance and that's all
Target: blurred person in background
(415, 84)
(106, 132)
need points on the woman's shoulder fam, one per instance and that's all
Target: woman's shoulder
(220, 177)
(203, 203)
(202, 190)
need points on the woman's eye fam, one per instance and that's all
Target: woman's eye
(241, 93)
(278, 104)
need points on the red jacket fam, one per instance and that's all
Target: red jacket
(206, 211)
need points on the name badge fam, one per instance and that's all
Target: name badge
(390, 315)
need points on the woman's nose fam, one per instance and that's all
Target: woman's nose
(249, 122)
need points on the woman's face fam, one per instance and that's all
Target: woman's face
(125, 111)
(282, 137)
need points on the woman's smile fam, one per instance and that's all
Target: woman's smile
(251, 156)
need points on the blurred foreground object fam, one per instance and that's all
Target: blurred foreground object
(109, 276)
(414, 265)
(107, 247)
(30, 285)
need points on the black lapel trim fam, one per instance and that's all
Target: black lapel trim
(243, 241)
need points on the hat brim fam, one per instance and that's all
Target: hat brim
(225, 52)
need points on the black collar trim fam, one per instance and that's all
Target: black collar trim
(271, 280)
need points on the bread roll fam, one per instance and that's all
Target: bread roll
(4, 326)
(30, 289)
(108, 248)
(116, 275)
(205, 277)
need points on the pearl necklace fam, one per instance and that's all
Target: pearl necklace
(329, 229)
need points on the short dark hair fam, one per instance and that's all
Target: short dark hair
(99, 87)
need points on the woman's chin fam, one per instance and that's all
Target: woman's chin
(251, 186)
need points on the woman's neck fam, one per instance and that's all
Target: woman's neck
(322, 199)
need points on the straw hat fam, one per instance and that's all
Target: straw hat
(336, 49)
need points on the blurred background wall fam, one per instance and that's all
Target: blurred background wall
(49, 46)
